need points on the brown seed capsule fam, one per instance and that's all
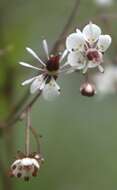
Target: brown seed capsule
(87, 89)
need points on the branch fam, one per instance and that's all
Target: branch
(22, 106)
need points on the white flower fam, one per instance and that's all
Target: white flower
(26, 167)
(104, 3)
(86, 48)
(48, 71)
(107, 83)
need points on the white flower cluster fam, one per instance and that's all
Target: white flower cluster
(84, 50)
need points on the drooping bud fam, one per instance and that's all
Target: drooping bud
(87, 89)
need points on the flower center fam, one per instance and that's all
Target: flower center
(53, 63)
(93, 55)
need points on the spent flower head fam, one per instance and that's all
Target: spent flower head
(48, 72)
(86, 48)
(25, 167)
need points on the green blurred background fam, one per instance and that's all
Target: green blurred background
(79, 141)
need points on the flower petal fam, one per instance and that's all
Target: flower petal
(51, 90)
(30, 66)
(28, 81)
(76, 59)
(45, 47)
(16, 162)
(104, 42)
(37, 84)
(91, 33)
(35, 55)
(64, 54)
(75, 41)
(101, 69)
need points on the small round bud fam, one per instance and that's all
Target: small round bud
(87, 89)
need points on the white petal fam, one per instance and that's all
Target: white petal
(51, 90)
(76, 59)
(45, 46)
(30, 66)
(101, 69)
(75, 41)
(34, 55)
(43, 84)
(16, 162)
(36, 85)
(28, 81)
(63, 55)
(104, 42)
(35, 163)
(91, 32)
(26, 161)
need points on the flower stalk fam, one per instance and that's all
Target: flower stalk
(27, 132)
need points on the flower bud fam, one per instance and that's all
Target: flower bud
(87, 89)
